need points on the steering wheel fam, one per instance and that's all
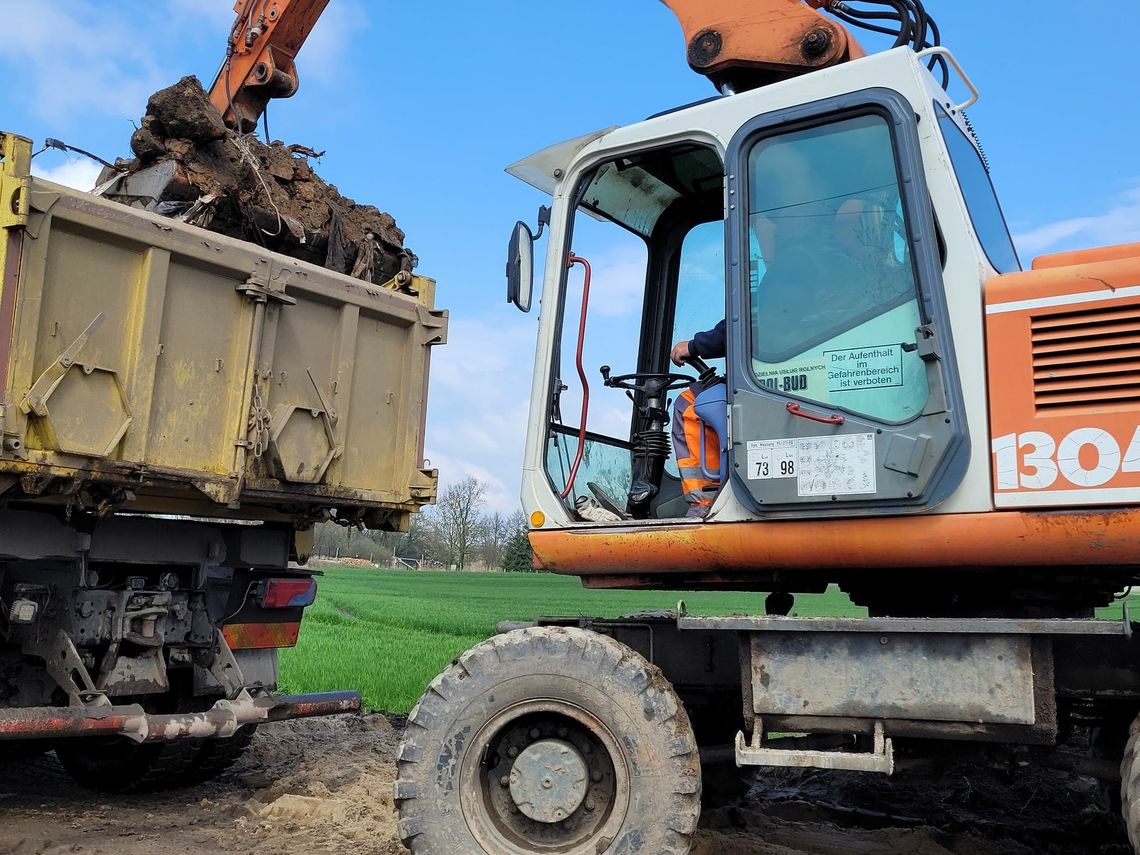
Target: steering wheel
(650, 383)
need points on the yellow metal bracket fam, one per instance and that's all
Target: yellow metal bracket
(15, 180)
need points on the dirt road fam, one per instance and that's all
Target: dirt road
(326, 786)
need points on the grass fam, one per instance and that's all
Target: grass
(387, 633)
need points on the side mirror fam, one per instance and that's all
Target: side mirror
(520, 260)
(520, 267)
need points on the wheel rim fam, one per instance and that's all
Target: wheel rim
(544, 776)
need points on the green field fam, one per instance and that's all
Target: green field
(386, 633)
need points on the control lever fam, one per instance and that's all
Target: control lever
(705, 372)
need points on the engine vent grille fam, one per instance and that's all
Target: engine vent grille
(1086, 358)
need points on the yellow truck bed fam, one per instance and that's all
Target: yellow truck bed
(155, 367)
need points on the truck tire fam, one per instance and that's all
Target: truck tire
(118, 765)
(1130, 785)
(548, 739)
(215, 756)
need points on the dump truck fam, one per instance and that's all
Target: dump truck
(179, 409)
(900, 410)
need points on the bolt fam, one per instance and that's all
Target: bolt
(512, 752)
(535, 733)
(816, 43)
(596, 776)
(504, 781)
(590, 804)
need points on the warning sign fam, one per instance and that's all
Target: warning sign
(874, 367)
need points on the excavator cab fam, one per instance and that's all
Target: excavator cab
(803, 213)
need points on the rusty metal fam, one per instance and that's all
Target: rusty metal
(967, 678)
(881, 757)
(998, 539)
(132, 721)
(942, 626)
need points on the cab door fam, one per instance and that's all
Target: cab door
(844, 393)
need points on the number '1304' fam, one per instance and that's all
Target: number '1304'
(1033, 460)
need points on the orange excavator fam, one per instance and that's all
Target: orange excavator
(261, 57)
(901, 411)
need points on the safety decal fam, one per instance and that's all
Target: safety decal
(875, 367)
(821, 465)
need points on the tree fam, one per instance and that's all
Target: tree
(496, 531)
(517, 556)
(456, 522)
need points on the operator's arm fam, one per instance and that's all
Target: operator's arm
(710, 344)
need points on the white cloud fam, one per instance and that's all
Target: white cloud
(80, 174)
(1120, 224)
(479, 404)
(76, 57)
(323, 56)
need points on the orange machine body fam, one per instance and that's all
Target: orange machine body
(260, 59)
(1063, 342)
(748, 43)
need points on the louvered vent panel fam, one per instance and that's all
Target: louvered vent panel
(1085, 358)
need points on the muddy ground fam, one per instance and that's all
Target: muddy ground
(326, 786)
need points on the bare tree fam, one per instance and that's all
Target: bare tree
(457, 521)
(496, 532)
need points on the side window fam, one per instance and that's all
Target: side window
(833, 297)
(700, 292)
(700, 283)
(981, 200)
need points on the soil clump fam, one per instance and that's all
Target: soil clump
(188, 165)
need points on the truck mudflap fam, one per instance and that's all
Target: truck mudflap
(221, 721)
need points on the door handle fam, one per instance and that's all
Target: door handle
(795, 410)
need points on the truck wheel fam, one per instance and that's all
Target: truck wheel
(215, 756)
(1130, 785)
(23, 750)
(116, 764)
(548, 739)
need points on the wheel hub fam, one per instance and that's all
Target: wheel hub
(549, 780)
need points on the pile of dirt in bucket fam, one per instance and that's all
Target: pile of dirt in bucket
(188, 165)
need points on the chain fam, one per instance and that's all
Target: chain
(258, 421)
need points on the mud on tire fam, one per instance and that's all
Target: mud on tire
(1130, 785)
(582, 709)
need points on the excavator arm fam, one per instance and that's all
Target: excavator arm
(743, 44)
(260, 57)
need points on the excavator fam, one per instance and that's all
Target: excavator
(901, 410)
(261, 55)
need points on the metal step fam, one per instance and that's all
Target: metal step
(880, 759)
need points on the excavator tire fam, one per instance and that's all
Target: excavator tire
(549, 739)
(1130, 785)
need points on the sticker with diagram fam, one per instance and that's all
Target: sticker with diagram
(821, 465)
(836, 465)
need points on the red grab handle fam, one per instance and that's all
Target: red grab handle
(795, 410)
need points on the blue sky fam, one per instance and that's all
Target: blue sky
(420, 106)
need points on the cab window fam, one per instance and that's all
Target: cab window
(833, 295)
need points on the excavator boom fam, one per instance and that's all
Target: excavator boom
(742, 44)
(260, 58)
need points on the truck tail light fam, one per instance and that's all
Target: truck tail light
(287, 593)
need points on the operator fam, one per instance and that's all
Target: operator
(688, 430)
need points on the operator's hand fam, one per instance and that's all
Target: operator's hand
(680, 353)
